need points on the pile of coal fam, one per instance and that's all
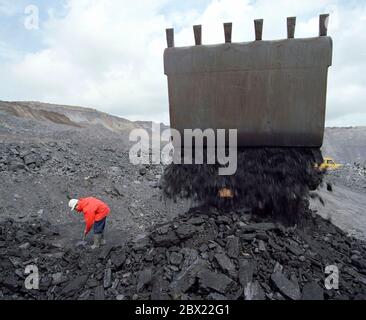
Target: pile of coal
(273, 181)
(66, 158)
(203, 254)
(22, 158)
(53, 158)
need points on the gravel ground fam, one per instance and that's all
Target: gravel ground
(156, 249)
(344, 199)
(350, 176)
(43, 165)
(203, 254)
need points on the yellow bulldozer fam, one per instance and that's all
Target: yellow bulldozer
(329, 164)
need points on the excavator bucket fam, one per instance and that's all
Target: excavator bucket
(272, 92)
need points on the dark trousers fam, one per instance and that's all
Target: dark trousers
(99, 226)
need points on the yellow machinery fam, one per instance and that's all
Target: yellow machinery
(329, 164)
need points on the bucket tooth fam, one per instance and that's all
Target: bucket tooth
(291, 23)
(197, 30)
(258, 27)
(227, 30)
(170, 37)
(323, 24)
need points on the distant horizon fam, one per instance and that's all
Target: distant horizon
(142, 120)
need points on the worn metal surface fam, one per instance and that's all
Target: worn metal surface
(323, 24)
(291, 23)
(227, 31)
(272, 92)
(170, 37)
(197, 30)
(258, 29)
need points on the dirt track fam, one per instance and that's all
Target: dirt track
(346, 208)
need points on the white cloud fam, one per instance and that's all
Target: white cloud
(7, 7)
(109, 54)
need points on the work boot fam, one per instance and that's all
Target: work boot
(102, 240)
(97, 241)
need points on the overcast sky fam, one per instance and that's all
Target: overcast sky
(108, 54)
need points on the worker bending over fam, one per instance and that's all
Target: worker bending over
(95, 213)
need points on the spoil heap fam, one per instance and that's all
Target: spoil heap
(204, 254)
(15, 158)
(273, 181)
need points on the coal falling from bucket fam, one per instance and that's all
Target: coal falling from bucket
(270, 181)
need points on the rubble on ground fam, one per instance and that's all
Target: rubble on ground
(14, 158)
(352, 176)
(203, 254)
(76, 169)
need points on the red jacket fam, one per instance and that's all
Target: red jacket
(93, 210)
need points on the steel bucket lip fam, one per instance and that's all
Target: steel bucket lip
(252, 55)
(252, 42)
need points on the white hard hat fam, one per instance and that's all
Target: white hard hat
(73, 203)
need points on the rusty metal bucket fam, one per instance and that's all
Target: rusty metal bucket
(272, 92)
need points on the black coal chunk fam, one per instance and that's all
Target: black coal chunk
(288, 288)
(216, 281)
(74, 286)
(312, 291)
